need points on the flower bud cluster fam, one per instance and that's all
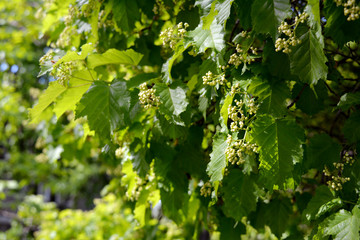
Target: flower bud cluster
(147, 97)
(236, 113)
(336, 180)
(213, 80)
(136, 191)
(64, 39)
(242, 56)
(351, 9)
(237, 150)
(348, 159)
(289, 31)
(47, 57)
(205, 189)
(88, 8)
(73, 13)
(171, 36)
(235, 88)
(63, 72)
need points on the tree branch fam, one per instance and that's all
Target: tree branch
(298, 96)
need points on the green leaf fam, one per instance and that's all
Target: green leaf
(224, 8)
(352, 127)
(224, 109)
(279, 142)
(141, 206)
(173, 98)
(242, 11)
(75, 90)
(169, 129)
(219, 10)
(322, 150)
(74, 56)
(275, 214)
(54, 90)
(139, 79)
(239, 196)
(311, 100)
(323, 201)
(230, 229)
(348, 100)
(105, 106)
(167, 66)
(345, 225)
(208, 38)
(307, 59)
(138, 158)
(272, 94)
(113, 56)
(337, 27)
(217, 164)
(126, 13)
(268, 14)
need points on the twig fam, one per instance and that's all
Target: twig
(298, 96)
(155, 18)
(332, 91)
(233, 30)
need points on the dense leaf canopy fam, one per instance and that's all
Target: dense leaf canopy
(180, 119)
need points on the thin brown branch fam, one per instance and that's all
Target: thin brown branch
(233, 30)
(298, 96)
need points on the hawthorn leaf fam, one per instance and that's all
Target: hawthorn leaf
(167, 66)
(323, 201)
(322, 150)
(239, 194)
(217, 164)
(224, 109)
(208, 38)
(337, 27)
(86, 49)
(268, 14)
(351, 128)
(345, 225)
(272, 95)
(275, 214)
(105, 106)
(114, 56)
(54, 90)
(279, 142)
(77, 86)
(348, 100)
(126, 13)
(173, 98)
(307, 59)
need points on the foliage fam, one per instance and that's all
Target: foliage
(221, 113)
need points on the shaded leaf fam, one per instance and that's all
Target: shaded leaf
(322, 150)
(307, 59)
(239, 196)
(352, 128)
(268, 14)
(272, 95)
(323, 201)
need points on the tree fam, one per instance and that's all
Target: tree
(237, 118)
